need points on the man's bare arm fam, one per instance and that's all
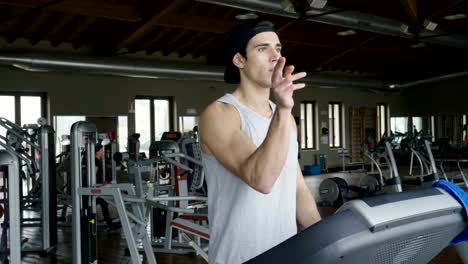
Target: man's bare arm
(306, 208)
(221, 134)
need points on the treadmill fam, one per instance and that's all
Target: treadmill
(408, 227)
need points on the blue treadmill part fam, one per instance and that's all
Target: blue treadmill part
(462, 197)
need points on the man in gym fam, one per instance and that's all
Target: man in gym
(256, 191)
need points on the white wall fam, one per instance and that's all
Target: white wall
(97, 95)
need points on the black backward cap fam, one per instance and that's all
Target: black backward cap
(237, 42)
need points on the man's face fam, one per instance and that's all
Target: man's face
(263, 51)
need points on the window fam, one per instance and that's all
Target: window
(382, 120)
(22, 108)
(433, 128)
(62, 127)
(464, 126)
(335, 125)
(161, 117)
(307, 125)
(30, 109)
(143, 123)
(399, 124)
(187, 123)
(122, 133)
(7, 110)
(417, 123)
(153, 116)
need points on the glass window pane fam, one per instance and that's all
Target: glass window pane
(383, 122)
(464, 126)
(309, 112)
(31, 109)
(399, 124)
(142, 123)
(303, 128)
(7, 110)
(161, 117)
(336, 126)
(187, 123)
(122, 133)
(331, 137)
(417, 123)
(62, 127)
(379, 123)
(433, 128)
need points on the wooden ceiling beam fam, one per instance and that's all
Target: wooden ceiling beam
(91, 8)
(342, 54)
(200, 49)
(39, 28)
(175, 42)
(184, 49)
(35, 25)
(221, 26)
(445, 9)
(163, 44)
(54, 33)
(153, 44)
(148, 25)
(198, 23)
(18, 27)
(77, 37)
(411, 8)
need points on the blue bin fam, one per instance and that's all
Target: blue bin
(312, 170)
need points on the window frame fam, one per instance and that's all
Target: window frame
(303, 129)
(385, 129)
(331, 129)
(18, 94)
(170, 99)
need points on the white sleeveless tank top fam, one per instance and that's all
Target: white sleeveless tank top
(244, 222)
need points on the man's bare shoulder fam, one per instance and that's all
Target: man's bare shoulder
(217, 123)
(218, 111)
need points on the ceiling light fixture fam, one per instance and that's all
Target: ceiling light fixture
(418, 45)
(28, 68)
(455, 17)
(429, 25)
(291, 6)
(404, 28)
(247, 16)
(287, 6)
(318, 3)
(348, 32)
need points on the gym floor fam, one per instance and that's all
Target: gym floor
(111, 249)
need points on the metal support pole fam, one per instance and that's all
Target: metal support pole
(83, 135)
(9, 159)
